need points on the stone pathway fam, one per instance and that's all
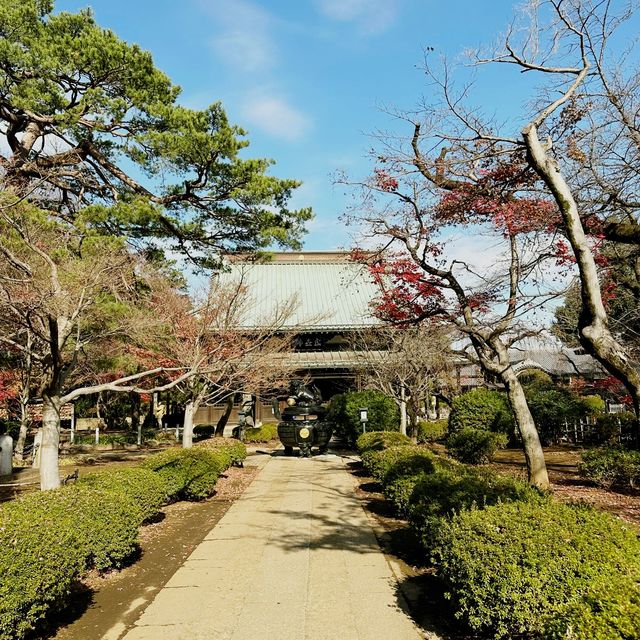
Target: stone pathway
(294, 558)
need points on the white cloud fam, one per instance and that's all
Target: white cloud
(244, 37)
(275, 116)
(370, 16)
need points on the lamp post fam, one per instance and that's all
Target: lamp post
(364, 418)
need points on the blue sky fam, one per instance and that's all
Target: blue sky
(308, 78)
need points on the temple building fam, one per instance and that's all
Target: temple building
(330, 296)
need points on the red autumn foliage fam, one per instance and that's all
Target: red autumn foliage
(8, 386)
(384, 181)
(497, 197)
(407, 293)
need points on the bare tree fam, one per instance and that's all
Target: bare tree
(410, 364)
(582, 140)
(229, 358)
(66, 298)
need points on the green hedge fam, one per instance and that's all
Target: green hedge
(190, 474)
(147, 489)
(204, 431)
(529, 568)
(379, 440)
(344, 411)
(611, 466)
(452, 488)
(481, 409)
(266, 433)
(608, 609)
(49, 539)
(475, 446)
(237, 450)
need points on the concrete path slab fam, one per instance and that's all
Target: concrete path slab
(294, 558)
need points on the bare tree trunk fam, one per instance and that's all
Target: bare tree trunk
(49, 469)
(18, 452)
(536, 466)
(224, 418)
(403, 411)
(187, 424)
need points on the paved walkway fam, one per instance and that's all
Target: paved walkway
(294, 558)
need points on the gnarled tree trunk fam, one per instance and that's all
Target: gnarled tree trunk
(224, 418)
(536, 465)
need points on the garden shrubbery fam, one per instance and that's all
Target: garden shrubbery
(204, 431)
(379, 440)
(431, 430)
(190, 474)
(383, 413)
(482, 409)
(147, 489)
(527, 568)
(237, 450)
(515, 563)
(50, 539)
(475, 446)
(266, 433)
(610, 466)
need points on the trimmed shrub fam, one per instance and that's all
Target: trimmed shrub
(431, 431)
(39, 564)
(611, 428)
(609, 609)
(593, 405)
(611, 466)
(383, 413)
(401, 476)
(266, 433)
(481, 409)
(510, 569)
(378, 463)
(204, 431)
(475, 446)
(453, 488)
(550, 408)
(147, 489)
(379, 440)
(190, 474)
(237, 450)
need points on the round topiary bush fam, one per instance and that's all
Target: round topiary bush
(344, 412)
(475, 446)
(481, 409)
(514, 568)
(266, 433)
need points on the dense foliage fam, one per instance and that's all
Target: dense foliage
(431, 430)
(518, 568)
(475, 446)
(610, 466)
(265, 433)
(514, 562)
(344, 411)
(481, 409)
